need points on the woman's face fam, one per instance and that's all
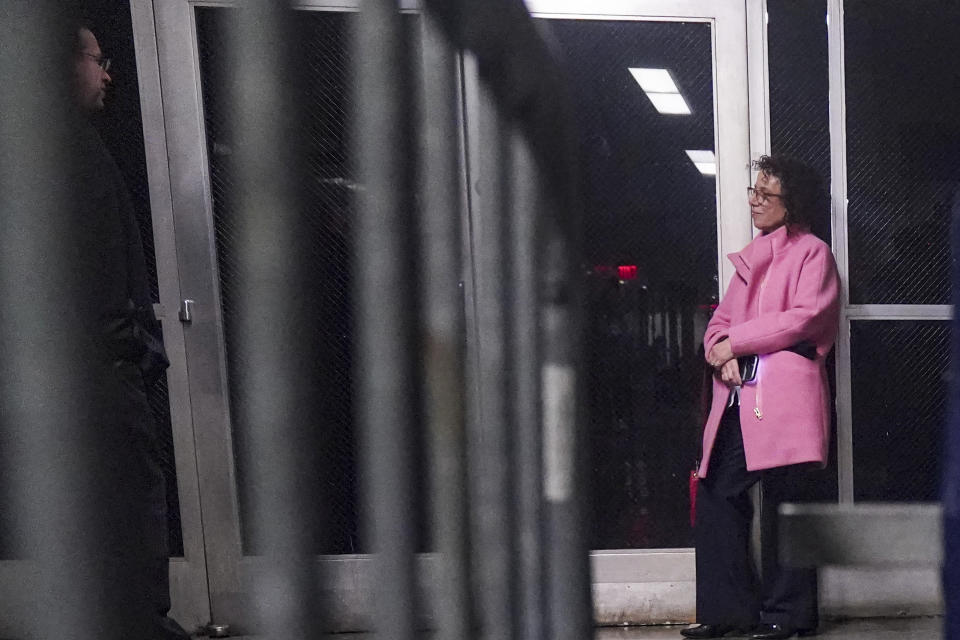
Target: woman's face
(766, 204)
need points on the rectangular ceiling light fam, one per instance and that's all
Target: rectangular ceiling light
(659, 86)
(654, 80)
(669, 103)
(704, 161)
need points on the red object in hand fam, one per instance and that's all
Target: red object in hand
(694, 480)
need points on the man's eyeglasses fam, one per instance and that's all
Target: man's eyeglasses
(762, 196)
(103, 63)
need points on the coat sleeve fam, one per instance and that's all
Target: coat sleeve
(814, 309)
(719, 326)
(153, 361)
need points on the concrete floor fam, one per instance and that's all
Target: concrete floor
(928, 628)
(861, 629)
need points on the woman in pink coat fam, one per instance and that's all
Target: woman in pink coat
(782, 306)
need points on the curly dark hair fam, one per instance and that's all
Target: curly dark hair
(805, 195)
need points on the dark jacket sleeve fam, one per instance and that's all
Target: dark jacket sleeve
(147, 330)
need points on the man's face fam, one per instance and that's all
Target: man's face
(91, 79)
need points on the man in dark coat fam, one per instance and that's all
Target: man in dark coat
(119, 310)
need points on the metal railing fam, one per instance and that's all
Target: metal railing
(502, 411)
(508, 535)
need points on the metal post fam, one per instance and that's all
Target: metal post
(491, 451)
(383, 297)
(570, 606)
(568, 571)
(525, 213)
(521, 77)
(838, 193)
(444, 330)
(54, 381)
(275, 335)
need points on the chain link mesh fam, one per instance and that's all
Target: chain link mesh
(899, 407)
(323, 39)
(903, 148)
(800, 87)
(651, 276)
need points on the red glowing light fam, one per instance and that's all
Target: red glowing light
(627, 272)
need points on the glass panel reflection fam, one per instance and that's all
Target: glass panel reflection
(651, 273)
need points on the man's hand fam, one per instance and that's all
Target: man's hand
(720, 354)
(730, 373)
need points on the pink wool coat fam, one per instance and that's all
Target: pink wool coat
(786, 290)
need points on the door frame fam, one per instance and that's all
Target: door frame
(348, 577)
(191, 204)
(188, 575)
(658, 585)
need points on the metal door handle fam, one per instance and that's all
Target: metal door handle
(186, 311)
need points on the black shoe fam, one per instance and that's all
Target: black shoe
(767, 631)
(707, 631)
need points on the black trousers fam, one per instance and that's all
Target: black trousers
(729, 591)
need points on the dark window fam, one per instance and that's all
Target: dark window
(650, 235)
(899, 407)
(800, 87)
(903, 148)
(323, 92)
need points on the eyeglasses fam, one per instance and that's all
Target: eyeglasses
(103, 63)
(762, 196)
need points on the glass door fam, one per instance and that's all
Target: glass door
(190, 605)
(192, 39)
(660, 93)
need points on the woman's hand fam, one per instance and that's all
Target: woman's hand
(720, 354)
(730, 373)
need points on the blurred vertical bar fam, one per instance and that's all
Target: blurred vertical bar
(570, 608)
(950, 490)
(524, 216)
(50, 379)
(491, 450)
(444, 331)
(276, 333)
(383, 294)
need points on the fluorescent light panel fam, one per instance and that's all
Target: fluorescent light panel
(669, 103)
(654, 80)
(706, 168)
(659, 86)
(705, 161)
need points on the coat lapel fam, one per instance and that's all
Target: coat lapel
(754, 259)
